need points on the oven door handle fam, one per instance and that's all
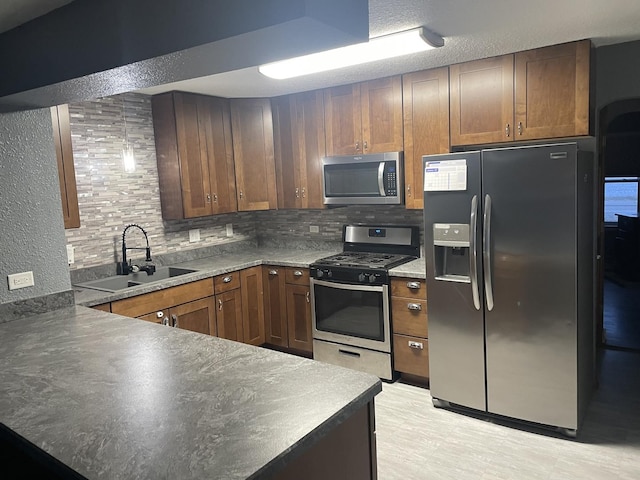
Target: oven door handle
(381, 179)
(348, 286)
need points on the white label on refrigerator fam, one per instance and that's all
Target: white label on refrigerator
(443, 176)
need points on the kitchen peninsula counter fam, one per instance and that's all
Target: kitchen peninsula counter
(113, 397)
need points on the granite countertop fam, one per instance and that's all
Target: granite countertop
(217, 265)
(113, 397)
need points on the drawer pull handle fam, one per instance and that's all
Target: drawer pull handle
(413, 285)
(414, 306)
(273, 272)
(347, 352)
(308, 301)
(219, 304)
(174, 317)
(297, 273)
(227, 279)
(416, 345)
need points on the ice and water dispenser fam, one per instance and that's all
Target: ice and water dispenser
(451, 252)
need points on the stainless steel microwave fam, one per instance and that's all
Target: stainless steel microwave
(369, 179)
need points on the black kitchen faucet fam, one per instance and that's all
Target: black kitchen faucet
(124, 267)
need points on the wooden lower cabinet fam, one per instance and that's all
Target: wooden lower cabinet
(105, 307)
(410, 327)
(197, 316)
(229, 315)
(252, 306)
(287, 308)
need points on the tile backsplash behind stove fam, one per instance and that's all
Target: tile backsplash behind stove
(109, 198)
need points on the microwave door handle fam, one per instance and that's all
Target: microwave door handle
(381, 179)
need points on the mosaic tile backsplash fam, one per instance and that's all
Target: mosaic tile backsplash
(110, 198)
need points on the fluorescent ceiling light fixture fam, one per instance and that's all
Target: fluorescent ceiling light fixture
(378, 48)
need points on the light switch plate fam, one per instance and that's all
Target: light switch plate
(194, 235)
(314, 229)
(70, 254)
(20, 280)
(229, 229)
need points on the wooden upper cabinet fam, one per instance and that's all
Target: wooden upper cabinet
(364, 117)
(252, 127)
(531, 95)
(482, 101)
(194, 154)
(299, 140)
(426, 126)
(552, 91)
(66, 171)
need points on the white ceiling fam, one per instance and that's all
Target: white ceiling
(472, 29)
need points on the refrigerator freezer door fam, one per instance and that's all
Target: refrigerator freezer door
(456, 330)
(531, 333)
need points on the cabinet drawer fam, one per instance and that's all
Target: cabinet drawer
(152, 302)
(226, 282)
(411, 355)
(409, 288)
(409, 316)
(105, 307)
(297, 276)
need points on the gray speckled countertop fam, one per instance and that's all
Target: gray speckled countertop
(211, 266)
(113, 397)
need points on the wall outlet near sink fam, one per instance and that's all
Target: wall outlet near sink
(194, 235)
(314, 229)
(229, 229)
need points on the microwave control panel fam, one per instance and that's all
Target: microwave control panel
(391, 180)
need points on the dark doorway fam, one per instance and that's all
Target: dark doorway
(619, 233)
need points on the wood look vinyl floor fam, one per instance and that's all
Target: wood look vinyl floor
(417, 441)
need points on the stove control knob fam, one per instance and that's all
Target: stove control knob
(372, 278)
(362, 277)
(319, 273)
(329, 273)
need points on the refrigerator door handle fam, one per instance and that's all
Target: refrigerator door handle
(486, 241)
(473, 258)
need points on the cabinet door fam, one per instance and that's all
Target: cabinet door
(309, 145)
(343, 120)
(482, 101)
(252, 306)
(229, 315)
(552, 91)
(381, 103)
(66, 171)
(426, 126)
(287, 164)
(299, 317)
(275, 306)
(252, 130)
(214, 123)
(198, 316)
(192, 156)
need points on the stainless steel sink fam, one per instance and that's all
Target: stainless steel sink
(122, 282)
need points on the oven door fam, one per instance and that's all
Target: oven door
(350, 314)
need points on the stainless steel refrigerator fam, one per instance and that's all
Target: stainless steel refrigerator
(509, 246)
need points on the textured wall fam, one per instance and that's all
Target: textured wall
(31, 233)
(109, 198)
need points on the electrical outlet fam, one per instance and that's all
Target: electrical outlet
(194, 235)
(20, 280)
(314, 229)
(70, 254)
(229, 229)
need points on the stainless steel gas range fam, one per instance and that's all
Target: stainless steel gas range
(350, 297)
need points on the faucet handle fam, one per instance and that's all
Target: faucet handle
(148, 259)
(135, 268)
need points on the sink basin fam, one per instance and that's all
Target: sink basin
(122, 282)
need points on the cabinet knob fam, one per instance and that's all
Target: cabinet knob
(413, 285)
(174, 318)
(365, 145)
(297, 193)
(414, 306)
(227, 279)
(409, 190)
(215, 198)
(273, 272)
(297, 273)
(519, 128)
(303, 192)
(241, 194)
(416, 345)
(160, 314)
(208, 198)
(357, 146)
(507, 130)
(219, 304)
